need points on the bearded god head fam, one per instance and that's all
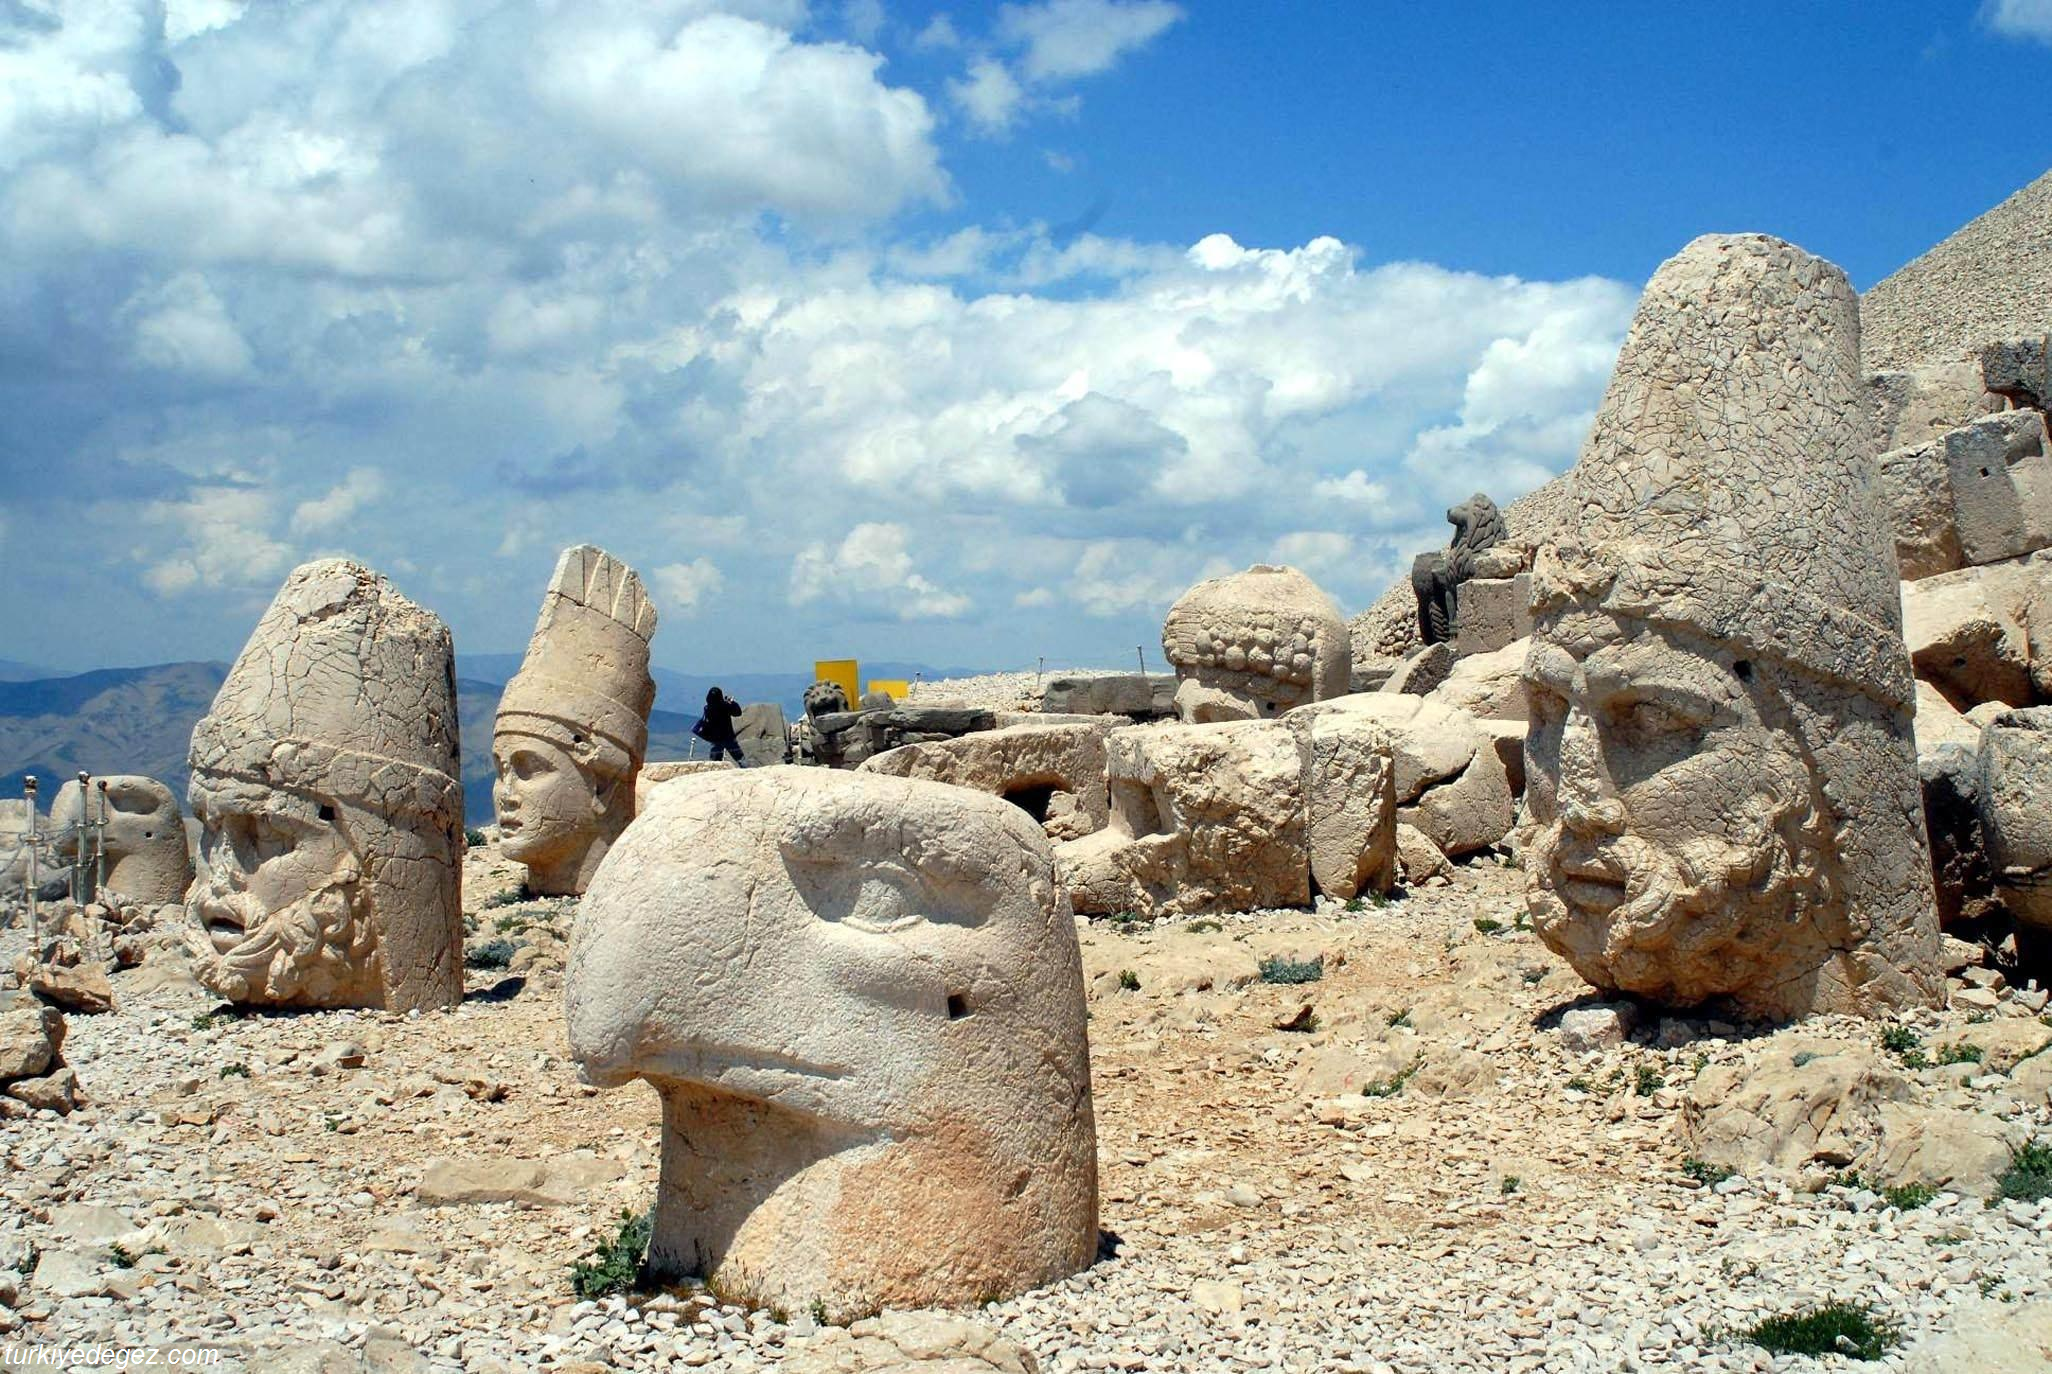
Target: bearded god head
(324, 779)
(1721, 794)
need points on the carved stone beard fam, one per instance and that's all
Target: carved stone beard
(319, 949)
(1712, 903)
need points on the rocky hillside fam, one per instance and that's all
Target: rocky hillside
(116, 720)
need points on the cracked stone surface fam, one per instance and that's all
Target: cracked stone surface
(1721, 772)
(325, 782)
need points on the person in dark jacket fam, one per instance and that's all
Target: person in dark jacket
(716, 726)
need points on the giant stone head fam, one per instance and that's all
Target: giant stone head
(1721, 778)
(860, 999)
(142, 836)
(324, 781)
(573, 722)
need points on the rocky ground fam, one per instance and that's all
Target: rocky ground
(1426, 1172)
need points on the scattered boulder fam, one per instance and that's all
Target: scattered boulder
(1960, 642)
(2015, 796)
(911, 1343)
(1803, 1105)
(1055, 773)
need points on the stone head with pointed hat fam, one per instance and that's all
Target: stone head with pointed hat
(1722, 793)
(325, 782)
(573, 723)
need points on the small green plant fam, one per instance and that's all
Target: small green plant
(1698, 1064)
(1400, 1018)
(1805, 1057)
(1511, 1183)
(1534, 976)
(1207, 926)
(1854, 1181)
(1980, 1018)
(1988, 1283)
(819, 1313)
(1277, 969)
(1355, 904)
(615, 1265)
(512, 896)
(473, 838)
(1487, 925)
(1124, 918)
(1834, 1328)
(330, 1121)
(1906, 1045)
(1908, 1197)
(491, 954)
(1129, 981)
(2029, 1175)
(1648, 1080)
(235, 1071)
(1579, 1084)
(1960, 1053)
(120, 1256)
(1704, 1172)
(1391, 1086)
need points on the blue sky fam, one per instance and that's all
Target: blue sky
(963, 334)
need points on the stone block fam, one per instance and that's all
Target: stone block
(1919, 405)
(1054, 772)
(763, 735)
(1964, 644)
(2001, 480)
(1350, 802)
(1494, 612)
(1918, 493)
(2019, 369)
(1204, 818)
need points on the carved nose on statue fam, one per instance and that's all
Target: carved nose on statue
(1589, 803)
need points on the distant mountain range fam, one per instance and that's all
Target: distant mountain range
(139, 720)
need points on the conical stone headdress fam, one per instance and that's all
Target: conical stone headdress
(1726, 484)
(584, 683)
(346, 689)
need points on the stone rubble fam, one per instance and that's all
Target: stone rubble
(1270, 1202)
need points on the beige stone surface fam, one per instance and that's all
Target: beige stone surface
(143, 837)
(1470, 812)
(31, 1039)
(325, 780)
(2000, 477)
(1054, 772)
(1939, 722)
(1255, 644)
(1917, 490)
(1418, 859)
(1990, 1337)
(1204, 818)
(911, 1343)
(1969, 647)
(1916, 405)
(1495, 611)
(572, 725)
(1489, 686)
(860, 999)
(2015, 768)
(1721, 770)
(1349, 800)
(1774, 1111)
(653, 775)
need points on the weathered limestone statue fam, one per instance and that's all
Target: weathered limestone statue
(1437, 577)
(861, 1001)
(1721, 775)
(325, 782)
(1254, 644)
(573, 723)
(147, 861)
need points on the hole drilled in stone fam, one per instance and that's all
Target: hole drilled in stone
(1032, 798)
(958, 1005)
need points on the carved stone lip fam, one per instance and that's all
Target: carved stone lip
(223, 924)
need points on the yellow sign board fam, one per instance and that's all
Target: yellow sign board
(896, 686)
(842, 672)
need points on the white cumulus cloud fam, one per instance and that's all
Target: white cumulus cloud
(873, 563)
(684, 588)
(1064, 39)
(341, 503)
(2019, 18)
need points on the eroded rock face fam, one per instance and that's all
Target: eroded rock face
(325, 782)
(1721, 774)
(144, 836)
(1203, 818)
(1254, 644)
(1055, 773)
(573, 723)
(2015, 795)
(861, 1001)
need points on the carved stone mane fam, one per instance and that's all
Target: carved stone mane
(1436, 577)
